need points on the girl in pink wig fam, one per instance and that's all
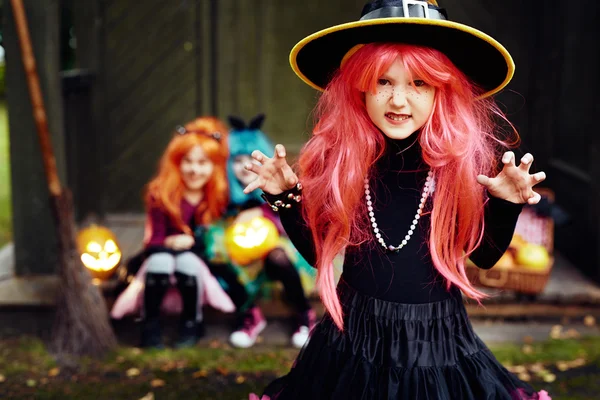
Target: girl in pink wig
(407, 173)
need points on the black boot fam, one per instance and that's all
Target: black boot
(151, 336)
(188, 328)
(154, 292)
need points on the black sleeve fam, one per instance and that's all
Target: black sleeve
(500, 218)
(250, 204)
(295, 226)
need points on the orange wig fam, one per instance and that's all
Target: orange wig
(208, 126)
(166, 189)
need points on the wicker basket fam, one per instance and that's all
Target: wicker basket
(533, 229)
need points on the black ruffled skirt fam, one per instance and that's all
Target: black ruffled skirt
(398, 351)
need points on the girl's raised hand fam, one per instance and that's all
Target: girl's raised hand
(274, 175)
(513, 183)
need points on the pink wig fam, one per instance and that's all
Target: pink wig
(458, 143)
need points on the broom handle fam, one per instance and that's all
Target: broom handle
(37, 101)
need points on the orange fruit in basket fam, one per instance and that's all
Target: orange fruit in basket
(506, 261)
(533, 256)
(517, 242)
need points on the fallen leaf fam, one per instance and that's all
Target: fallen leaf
(149, 396)
(525, 377)
(31, 382)
(589, 320)
(528, 339)
(518, 369)
(131, 372)
(549, 378)
(579, 362)
(2, 378)
(157, 383)
(54, 372)
(240, 379)
(543, 373)
(200, 374)
(168, 366)
(562, 366)
(136, 352)
(556, 331)
(537, 367)
(222, 370)
(571, 334)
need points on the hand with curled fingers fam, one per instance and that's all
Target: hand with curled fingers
(274, 175)
(514, 184)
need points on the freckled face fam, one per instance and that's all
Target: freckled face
(401, 105)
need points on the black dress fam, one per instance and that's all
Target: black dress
(405, 336)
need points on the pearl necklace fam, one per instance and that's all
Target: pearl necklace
(428, 189)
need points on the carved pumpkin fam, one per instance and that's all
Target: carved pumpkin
(99, 251)
(250, 241)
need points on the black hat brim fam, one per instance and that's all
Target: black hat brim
(485, 61)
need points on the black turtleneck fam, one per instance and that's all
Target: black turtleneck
(406, 276)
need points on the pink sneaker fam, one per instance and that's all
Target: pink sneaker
(255, 397)
(253, 324)
(306, 323)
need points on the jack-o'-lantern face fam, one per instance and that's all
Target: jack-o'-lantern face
(99, 251)
(252, 240)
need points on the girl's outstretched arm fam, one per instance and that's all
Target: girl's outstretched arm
(295, 225)
(500, 219)
(278, 181)
(508, 192)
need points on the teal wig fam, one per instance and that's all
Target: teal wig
(243, 140)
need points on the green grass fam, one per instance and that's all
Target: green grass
(5, 204)
(549, 351)
(217, 371)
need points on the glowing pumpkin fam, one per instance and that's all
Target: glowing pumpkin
(99, 251)
(250, 241)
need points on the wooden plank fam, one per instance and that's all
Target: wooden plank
(205, 64)
(129, 230)
(287, 100)
(153, 88)
(31, 290)
(131, 26)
